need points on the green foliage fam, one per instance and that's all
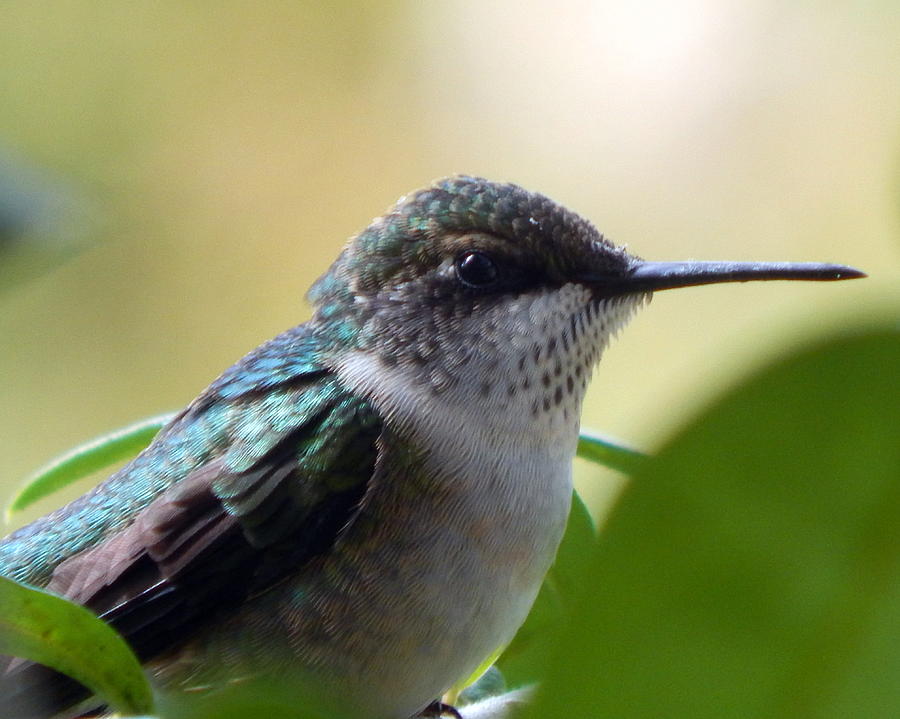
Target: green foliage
(752, 568)
(602, 451)
(67, 637)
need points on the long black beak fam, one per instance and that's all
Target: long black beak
(654, 276)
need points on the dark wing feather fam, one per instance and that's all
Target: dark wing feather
(278, 494)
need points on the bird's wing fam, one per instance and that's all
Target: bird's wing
(299, 450)
(233, 526)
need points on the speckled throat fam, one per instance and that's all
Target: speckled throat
(518, 366)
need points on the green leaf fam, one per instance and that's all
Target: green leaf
(597, 449)
(752, 569)
(44, 628)
(523, 660)
(85, 459)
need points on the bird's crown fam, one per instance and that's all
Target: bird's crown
(524, 232)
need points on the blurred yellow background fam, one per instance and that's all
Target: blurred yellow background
(227, 150)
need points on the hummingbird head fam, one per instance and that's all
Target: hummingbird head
(480, 284)
(490, 290)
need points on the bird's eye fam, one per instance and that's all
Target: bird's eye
(476, 269)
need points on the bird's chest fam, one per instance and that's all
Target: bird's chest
(464, 530)
(447, 556)
(469, 498)
(457, 530)
(481, 521)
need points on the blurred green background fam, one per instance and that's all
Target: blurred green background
(221, 153)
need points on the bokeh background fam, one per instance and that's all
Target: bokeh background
(174, 175)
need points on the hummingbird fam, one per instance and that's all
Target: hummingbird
(374, 497)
